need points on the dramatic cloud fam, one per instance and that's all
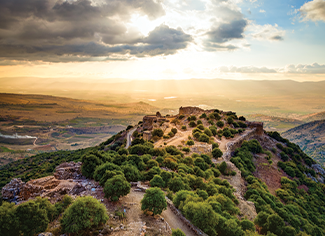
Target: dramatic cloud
(313, 10)
(101, 30)
(229, 25)
(74, 30)
(227, 31)
(161, 41)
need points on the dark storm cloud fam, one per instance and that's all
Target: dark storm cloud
(80, 29)
(161, 41)
(229, 24)
(228, 31)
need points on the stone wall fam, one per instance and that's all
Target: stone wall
(196, 230)
(201, 148)
(190, 110)
(147, 135)
(231, 146)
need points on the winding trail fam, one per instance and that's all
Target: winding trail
(129, 137)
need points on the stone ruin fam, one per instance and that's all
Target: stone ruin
(147, 135)
(67, 179)
(190, 110)
(257, 125)
(201, 148)
(149, 120)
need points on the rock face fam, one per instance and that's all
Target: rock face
(66, 180)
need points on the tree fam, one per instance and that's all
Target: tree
(216, 152)
(178, 232)
(192, 123)
(174, 130)
(84, 213)
(154, 201)
(186, 149)
(230, 120)
(157, 181)
(100, 170)
(8, 220)
(32, 219)
(242, 118)
(176, 184)
(116, 187)
(131, 173)
(201, 127)
(247, 225)
(204, 138)
(190, 142)
(223, 167)
(201, 215)
(89, 164)
(220, 124)
(208, 132)
(275, 224)
(203, 116)
(157, 132)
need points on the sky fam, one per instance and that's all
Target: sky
(163, 39)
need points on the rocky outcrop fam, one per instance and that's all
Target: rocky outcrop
(318, 169)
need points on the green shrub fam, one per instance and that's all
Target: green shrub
(183, 127)
(186, 149)
(203, 116)
(190, 142)
(216, 152)
(220, 124)
(204, 138)
(154, 201)
(32, 218)
(178, 232)
(201, 127)
(116, 187)
(8, 220)
(85, 213)
(157, 132)
(192, 124)
(89, 164)
(157, 181)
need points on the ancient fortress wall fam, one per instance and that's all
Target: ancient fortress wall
(190, 110)
(232, 146)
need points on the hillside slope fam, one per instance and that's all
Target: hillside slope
(310, 137)
(222, 174)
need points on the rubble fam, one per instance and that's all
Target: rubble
(68, 170)
(66, 180)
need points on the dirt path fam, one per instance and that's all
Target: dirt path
(129, 137)
(175, 223)
(155, 226)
